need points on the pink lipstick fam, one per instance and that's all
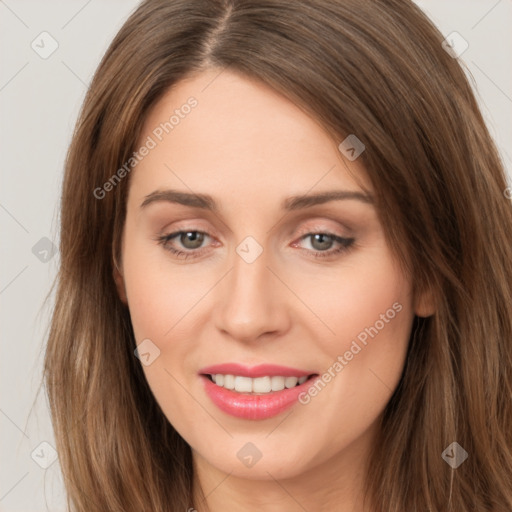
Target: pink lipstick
(257, 392)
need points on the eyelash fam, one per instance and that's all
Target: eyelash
(345, 244)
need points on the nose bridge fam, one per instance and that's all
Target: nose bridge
(251, 303)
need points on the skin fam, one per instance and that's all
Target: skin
(250, 148)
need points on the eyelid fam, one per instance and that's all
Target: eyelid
(186, 225)
(306, 230)
(320, 227)
(317, 225)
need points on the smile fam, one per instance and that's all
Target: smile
(261, 385)
(255, 393)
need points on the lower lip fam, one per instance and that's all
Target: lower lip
(252, 406)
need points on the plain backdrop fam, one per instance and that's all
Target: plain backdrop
(39, 101)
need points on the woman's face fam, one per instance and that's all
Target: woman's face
(264, 286)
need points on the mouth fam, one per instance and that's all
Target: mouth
(255, 393)
(259, 385)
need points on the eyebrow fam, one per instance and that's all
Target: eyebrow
(292, 203)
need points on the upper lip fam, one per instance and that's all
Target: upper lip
(261, 370)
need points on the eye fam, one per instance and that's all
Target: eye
(322, 243)
(192, 240)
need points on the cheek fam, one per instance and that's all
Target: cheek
(158, 300)
(364, 300)
(158, 295)
(369, 313)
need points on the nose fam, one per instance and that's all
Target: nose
(252, 301)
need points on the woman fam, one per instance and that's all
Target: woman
(207, 350)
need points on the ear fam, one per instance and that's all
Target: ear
(425, 303)
(119, 280)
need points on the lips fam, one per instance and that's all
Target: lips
(257, 392)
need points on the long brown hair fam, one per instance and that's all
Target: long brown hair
(373, 68)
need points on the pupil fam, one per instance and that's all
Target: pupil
(320, 237)
(195, 237)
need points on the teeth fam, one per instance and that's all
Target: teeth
(291, 382)
(243, 384)
(229, 381)
(257, 385)
(277, 383)
(261, 385)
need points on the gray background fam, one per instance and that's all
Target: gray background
(39, 102)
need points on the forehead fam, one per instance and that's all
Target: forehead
(218, 131)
